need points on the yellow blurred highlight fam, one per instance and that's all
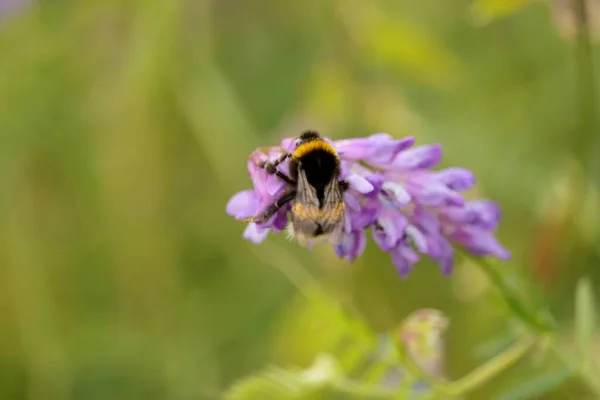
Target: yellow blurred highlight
(485, 11)
(469, 283)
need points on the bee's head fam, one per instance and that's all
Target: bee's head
(307, 137)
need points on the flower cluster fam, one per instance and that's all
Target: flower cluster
(409, 208)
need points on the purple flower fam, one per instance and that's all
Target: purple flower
(410, 209)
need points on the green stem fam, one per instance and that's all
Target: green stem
(586, 92)
(490, 369)
(587, 147)
(528, 316)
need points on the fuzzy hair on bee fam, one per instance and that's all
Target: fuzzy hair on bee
(314, 188)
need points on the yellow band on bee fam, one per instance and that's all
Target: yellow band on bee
(313, 145)
(314, 213)
(306, 212)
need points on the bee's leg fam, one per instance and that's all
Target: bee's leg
(344, 185)
(272, 208)
(271, 168)
(278, 161)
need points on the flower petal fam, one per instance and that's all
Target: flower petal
(398, 191)
(359, 183)
(243, 204)
(484, 214)
(351, 201)
(417, 158)
(404, 258)
(480, 243)
(380, 237)
(446, 263)
(384, 148)
(380, 138)
(353, 149)
(363, 219)
(288, 144)
(418, 238)
(431, 193)
(425, 221)
(353, 245)
(459, 179)
(255, 233)
(444, 255)
(280, 220)
(259, 179)
(344, 169)
(274, 185)
(378, 149)
(347, 220)
(487, 212)
(377, 181)
(393, 225)
(360, 244)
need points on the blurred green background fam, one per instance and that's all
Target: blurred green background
(125, 127)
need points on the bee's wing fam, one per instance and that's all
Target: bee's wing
(337, 234)
(333, 212)
(306, 193)
(333, 194)
(303, 224)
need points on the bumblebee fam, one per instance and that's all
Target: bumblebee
(314, 188)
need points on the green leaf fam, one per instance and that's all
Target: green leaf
(318, 324)
(534, 388)
(584, 316)
(280, 384)
(273, 384)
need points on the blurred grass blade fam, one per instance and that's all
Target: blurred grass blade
(536, 387)
(584, 316)
(495, 345)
